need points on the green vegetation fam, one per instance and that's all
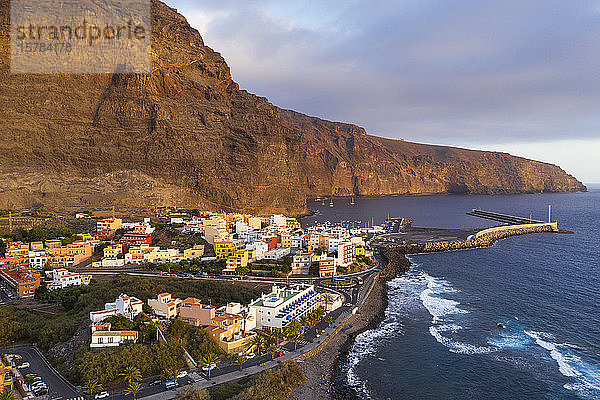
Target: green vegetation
(272, 268)
(195, 340)
(106, 365)
(92, 386)
(5, 212)
(191, 266)
(275, 384)
(41, 234)
(339, 282)
(194, 394)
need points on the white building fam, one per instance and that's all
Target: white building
(129, 307)
(297, 242)
(333, 244)
(62, 278)
(260, 248)
(165, 306)
(301, 263)
(102, 336)
(284, 304)
(345, 254)
(109, 262)
(276, 254)
(37, 259)
(278, 221)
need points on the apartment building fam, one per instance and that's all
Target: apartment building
(165, 306)
(124, 305)
(62, 278)
(301, 263)
(345, 252)
(109, 224)
(194, 312)
(23, 280)
(327, 267)
(224, 248)
(195, 252)
(284, 304)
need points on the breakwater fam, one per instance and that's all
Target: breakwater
(483, 238)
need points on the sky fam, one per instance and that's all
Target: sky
(514, 76)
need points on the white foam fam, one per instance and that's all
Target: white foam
(585, 374)
(455, 346)
(516, 340)
(437, 306)
(366, 344)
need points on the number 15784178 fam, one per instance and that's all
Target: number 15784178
(41, 47)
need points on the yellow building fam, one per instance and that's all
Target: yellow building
(255, 222)
(195, 252)
(313, 243)
(285, 240)
(111, 224)
(359, 251)
(292, 223)
(113, 251)
(17, 249)
(53, 244)
(6, 382)
(224, 249)
(36, 246)
(238, 260)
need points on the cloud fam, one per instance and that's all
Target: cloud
(466, 73)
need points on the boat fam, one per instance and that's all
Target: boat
(352, 201)
(331, 203)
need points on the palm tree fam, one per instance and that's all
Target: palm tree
(208, 360)
(7, 395)
(239, 360)
(277, 336)
(257, 343)
(134, 388)
(29, 380)
(294, 333)
(92, 386)
(329, 320)
(131, 374)
(246, 316)
(327, 299)
(304, 320)
(171, 374)
(272, 348)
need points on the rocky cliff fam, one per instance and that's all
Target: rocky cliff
(186, 135)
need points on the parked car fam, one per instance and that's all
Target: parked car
(280, 353)
(38, 384)
(155, 382)
(102, 395)
(250, 355)
(182, 374)
(206, 368)
(24, 365)
(170, 385)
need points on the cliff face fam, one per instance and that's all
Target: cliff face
(186, 135)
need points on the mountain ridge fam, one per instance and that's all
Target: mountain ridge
(187, 135)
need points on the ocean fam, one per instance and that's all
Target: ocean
(519, 320)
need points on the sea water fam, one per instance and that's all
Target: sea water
(519, 320)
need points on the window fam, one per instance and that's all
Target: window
(110, 340)
(100, 340)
